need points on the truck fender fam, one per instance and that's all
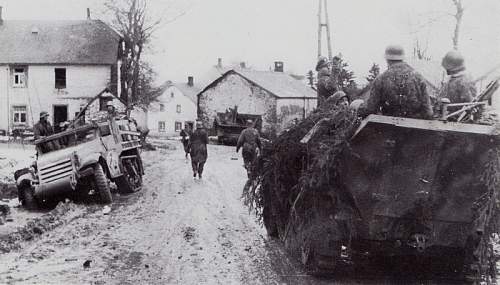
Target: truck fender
(114, 164)
(89, 160)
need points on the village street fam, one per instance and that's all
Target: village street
(176, 231)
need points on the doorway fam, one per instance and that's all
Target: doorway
(60, 115)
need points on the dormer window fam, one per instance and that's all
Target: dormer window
(162, 107)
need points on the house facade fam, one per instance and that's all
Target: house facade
(173, 109)
(54, 66)
(274, 95)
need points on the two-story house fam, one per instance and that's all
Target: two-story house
(174, 109)
(54, 66)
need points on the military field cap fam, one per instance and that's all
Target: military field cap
(453, 61)
(394, 52)
(44, 114)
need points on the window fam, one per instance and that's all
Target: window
(178, 108)
(178, 126)
(60, 75)
(172, 94)
(162, 107)
(19, 77)
(19, 114)
(161, 126)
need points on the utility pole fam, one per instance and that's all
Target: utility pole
(326, 25)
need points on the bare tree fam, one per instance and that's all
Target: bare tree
(458, 18)
(420, 52)
(136, 24)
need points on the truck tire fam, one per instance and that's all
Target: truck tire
(131, 180)
(28, 198)
(101, 183)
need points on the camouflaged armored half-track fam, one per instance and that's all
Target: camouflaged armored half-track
(425, 191)
(83, 160)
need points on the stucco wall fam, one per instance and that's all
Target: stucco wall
(232, 91)
(170, 115)
(39, 94)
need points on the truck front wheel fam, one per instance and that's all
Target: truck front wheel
(101, 183)
(28, 199)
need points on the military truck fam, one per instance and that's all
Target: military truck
(229, 125)
(83, 160)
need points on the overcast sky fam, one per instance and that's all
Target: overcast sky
(262, 31)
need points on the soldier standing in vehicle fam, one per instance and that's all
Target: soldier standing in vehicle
(327, 84)
(399, 91)
(198, 149)
(43, 129)
(460, 87)
(249, 139)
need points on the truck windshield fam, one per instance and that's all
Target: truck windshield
(66, 139)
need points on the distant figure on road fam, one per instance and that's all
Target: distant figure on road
(198, 149)
(250, 141)
(185, 134)
(399, 91)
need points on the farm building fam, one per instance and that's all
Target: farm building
(54, 66)
(275, 96)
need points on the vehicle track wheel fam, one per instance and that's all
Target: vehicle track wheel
(131, 180)
(28, 198)
(102, 185)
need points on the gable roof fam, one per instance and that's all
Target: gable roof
(188, 91)
(279, 84)
(58, 42)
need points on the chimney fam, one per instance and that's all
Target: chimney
(1, 19)
(219, 62)
(88, 13)
(243, 65)
(278, 66)
(190, 81)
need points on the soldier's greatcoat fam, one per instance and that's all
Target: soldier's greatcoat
(400, 91)
(249, 140)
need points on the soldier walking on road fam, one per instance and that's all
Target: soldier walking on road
(185, 134)
(400, 91)
(198, 149)
(327, 84)
(250, 141)
(460, 87)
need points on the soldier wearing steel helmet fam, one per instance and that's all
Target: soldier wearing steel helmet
(249, 140)
(327, 84)
(460, 87)
(399, 91)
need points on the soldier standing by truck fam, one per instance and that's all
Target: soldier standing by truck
(250, 141)
(198, 149)
(399, 91)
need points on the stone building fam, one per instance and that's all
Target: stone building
(274, 95)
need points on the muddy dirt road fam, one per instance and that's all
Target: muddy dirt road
(176, 231)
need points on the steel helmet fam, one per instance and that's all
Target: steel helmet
(394, 52)
(322, 62)
(453, 61)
